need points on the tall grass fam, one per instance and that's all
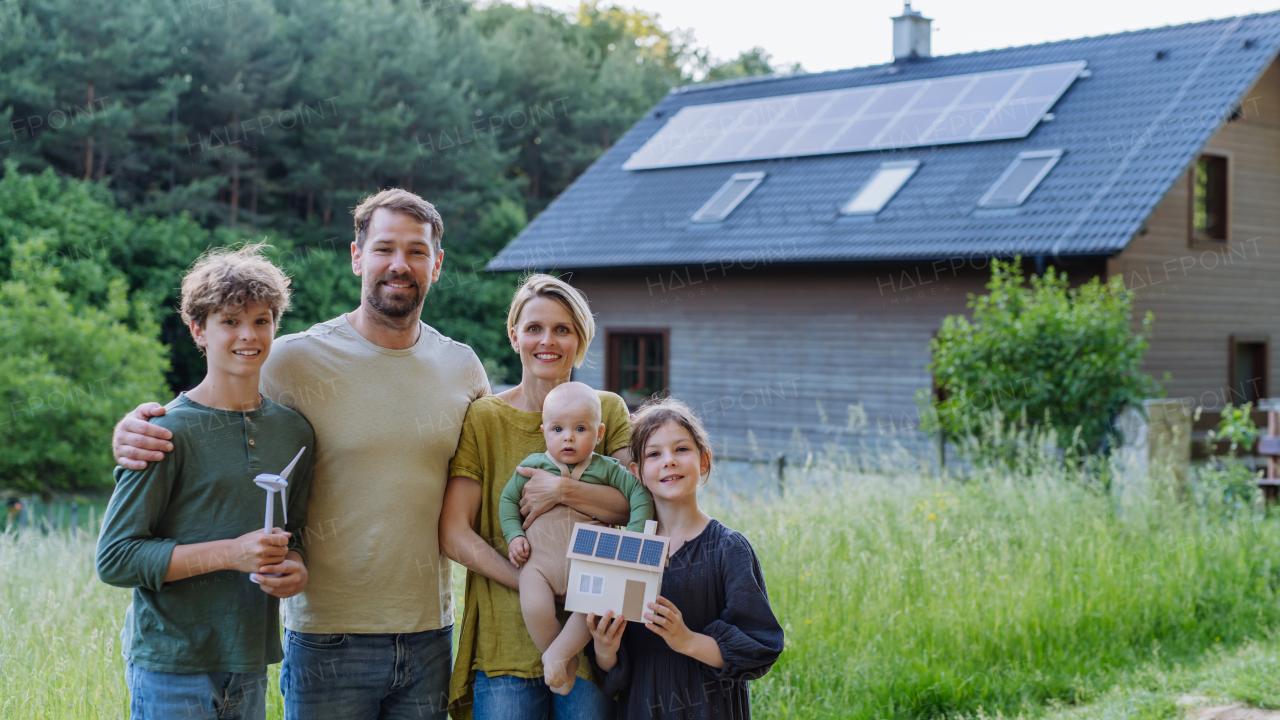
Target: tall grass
(903, 597)
(914, 599)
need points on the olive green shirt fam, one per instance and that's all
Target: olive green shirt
(200, 492)
(602, 470)
(494, 640)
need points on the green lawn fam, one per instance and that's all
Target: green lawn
(902, 598)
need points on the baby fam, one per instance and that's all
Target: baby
(571, 425)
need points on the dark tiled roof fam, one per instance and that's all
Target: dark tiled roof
(1129, 131)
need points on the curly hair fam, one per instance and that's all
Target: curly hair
(229, 279)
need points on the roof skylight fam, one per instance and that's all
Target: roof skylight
(881, 188)
(728, 196)
(1020, 178)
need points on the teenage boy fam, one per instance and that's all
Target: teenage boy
(187, 532)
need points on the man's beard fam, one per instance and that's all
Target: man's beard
(393, 307)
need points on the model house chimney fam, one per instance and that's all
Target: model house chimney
(911, 32)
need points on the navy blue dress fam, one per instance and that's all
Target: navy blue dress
(716, 583)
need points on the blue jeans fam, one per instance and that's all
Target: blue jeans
(366, 676)
(195, 696)
(507, 697)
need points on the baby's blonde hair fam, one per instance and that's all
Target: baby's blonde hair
(573, 392)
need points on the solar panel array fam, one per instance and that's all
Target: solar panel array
(586, 541)
(652, 553)
(621, 547)
(996, 105)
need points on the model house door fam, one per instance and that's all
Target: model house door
(633, 601)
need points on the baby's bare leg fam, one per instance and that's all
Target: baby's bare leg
(547, 574)
(538, 603)
(563, 652)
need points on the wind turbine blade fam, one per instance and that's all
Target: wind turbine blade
(296, 458)
(284, 501)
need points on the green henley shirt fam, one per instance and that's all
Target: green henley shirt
(203, 491)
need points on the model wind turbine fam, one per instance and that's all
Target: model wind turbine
(272, 484)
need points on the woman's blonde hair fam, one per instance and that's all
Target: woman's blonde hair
(657, 412)
(546, 286)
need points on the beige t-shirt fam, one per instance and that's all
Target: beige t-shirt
(387, 424)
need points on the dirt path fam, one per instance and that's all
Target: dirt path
(1198, 709)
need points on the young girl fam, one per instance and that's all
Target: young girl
(712, 629)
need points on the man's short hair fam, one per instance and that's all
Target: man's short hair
(228, 279)
(399, 201)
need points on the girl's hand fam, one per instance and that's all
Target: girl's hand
(666, 620)
(606, 632)
(541, 493)
(518, 551)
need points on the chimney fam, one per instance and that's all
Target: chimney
(911, 32)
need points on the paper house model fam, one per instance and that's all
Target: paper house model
(614, 570)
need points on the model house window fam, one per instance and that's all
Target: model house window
(881, 188)
(591, 585)
(637, 365)
(1209, 199)
(1248, 370)
(1021, 177)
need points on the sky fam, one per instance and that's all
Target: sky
(835, 34)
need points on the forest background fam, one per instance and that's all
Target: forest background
(138, 134)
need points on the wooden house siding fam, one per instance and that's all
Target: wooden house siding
(764, 352)
(1201, 293)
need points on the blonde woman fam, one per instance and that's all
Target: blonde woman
(497, 674)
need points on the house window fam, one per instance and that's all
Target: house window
(1248, 369)
(591, 584)
(881, 188)
(1209, 199)
(637, 365)
(1020, 178)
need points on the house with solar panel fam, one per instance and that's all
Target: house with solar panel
(615, 570)
(779, 251)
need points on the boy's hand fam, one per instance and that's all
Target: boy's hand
(606, 634)
(253, 551)
(518, 551)
(136, 441)
(292, 580)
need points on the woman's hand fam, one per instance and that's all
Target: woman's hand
(543, 492)
(606, 632)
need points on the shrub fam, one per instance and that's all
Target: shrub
(1040, 353)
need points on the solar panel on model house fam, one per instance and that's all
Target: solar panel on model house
(629, 550)
(608, 546)
(586, 541)
(652, 553)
